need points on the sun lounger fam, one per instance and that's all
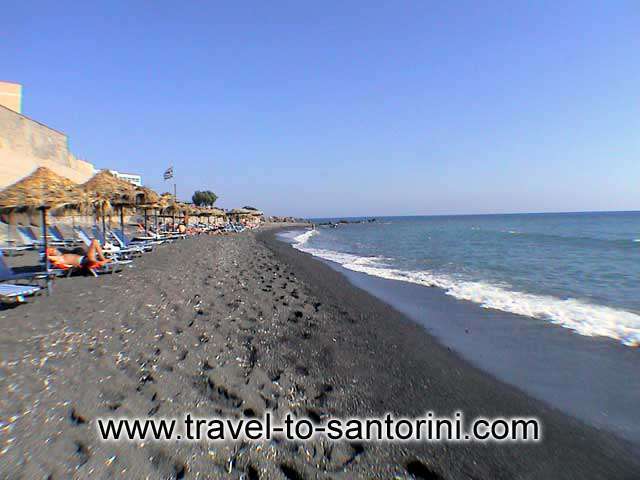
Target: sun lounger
(27, 238)
(115, 242)
(56, 235)
(98, 235)
(111, 266)
(7, 274)
(152, 236)
(16, 293)
(137, 241)
(30, 239)
(110, 251)
(14, 248)
(235, 228)
(124, 242)
(173, 235)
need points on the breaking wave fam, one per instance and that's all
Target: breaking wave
(582, 317)
(304, 237)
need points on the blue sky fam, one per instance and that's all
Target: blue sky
(345, 108)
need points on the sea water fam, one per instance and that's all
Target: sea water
(547, 302)
(578, 270)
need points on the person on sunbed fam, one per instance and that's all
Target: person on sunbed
(94, 258)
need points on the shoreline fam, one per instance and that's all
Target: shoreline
(519, 350)
(419, 346)
(236, 325)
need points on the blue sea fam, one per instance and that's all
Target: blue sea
(577, 270)
(549, 303)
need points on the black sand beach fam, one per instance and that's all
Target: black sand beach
(237, 325)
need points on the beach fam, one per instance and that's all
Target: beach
(237, 325)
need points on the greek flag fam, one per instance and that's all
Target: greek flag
(168, 173)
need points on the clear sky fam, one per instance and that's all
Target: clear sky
(335, 108)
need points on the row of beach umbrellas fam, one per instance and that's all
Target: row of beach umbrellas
(45, 190)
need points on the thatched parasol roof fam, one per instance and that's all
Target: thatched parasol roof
(246, 211)
(108, 188)
(42, 189)
(186, 208)
(212, 212)
(166, 201)
(145, 197)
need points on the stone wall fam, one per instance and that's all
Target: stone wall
(26, 145)
(11, 96)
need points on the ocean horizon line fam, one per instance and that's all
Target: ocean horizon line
(440, 215)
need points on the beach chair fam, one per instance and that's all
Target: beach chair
(234, 228)
(115, 253)
(173, 235)
(124, 242)
(14, 248)
(7, 274)
(27, 238)
(112, 244)
(98, 235)
(146, 235)
(30, 239)
(16, 293)
(96, 268)
(151, 236)
(56, 235)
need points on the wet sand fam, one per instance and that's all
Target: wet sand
(234, 326)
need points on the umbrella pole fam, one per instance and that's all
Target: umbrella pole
(43, 212)
(104, 224)
(145, 222)
(122, 219)
(9, 223)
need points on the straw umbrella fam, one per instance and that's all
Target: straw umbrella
(109, 190)
(186, 210)
(218, 212)
(42, 190)
(146, 198)
(206, 212)
(170, 205)
(249, 215)
(165, 202)
(194, 212)
(213, 212)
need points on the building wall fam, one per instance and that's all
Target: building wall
(26, 145)
(129, 177)
(11, 96)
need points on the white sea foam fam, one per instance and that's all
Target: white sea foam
(581, 317)
(304, 237)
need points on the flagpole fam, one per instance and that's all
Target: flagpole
(175, 197)
(168, 174)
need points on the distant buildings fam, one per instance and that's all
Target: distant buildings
(27, 144)
(129, 177)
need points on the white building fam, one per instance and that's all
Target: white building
(129, 177)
